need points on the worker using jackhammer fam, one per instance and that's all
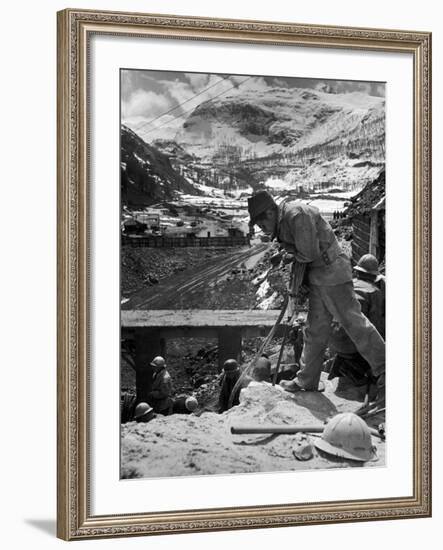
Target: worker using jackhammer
(303, 232)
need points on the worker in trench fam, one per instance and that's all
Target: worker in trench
(347, 361)
(160, 400)
(159, 397)
(304, 233)
(131, 411)
(230, 376)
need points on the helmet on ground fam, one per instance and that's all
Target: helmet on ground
(347, 436)
(158, 362)
(368, 264)
(191, 403)
(258, 203)
(141, 410)
(230, 365)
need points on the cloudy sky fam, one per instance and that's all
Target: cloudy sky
(156, 102)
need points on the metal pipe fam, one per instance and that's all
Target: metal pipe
(273, 429)
(289, 429)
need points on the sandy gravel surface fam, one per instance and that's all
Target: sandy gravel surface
(181, 445)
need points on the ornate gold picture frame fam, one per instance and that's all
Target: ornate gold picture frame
(74, 517)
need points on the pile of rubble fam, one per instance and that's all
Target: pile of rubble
(183, 445)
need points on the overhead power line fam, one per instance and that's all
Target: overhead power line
(189, 110)
(180, 104)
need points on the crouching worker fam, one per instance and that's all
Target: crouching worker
(130, 411)
(262, 370)
(231, 373)
(160, 395)
(303, 232)
(184, 404)
(348, 361)
(144, 413)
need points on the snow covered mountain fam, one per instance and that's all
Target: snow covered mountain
(278, 138)
(281, 120)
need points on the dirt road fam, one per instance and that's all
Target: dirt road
(189, 285)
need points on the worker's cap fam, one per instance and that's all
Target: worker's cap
(230, 365)
(191, 403)
(258, 203)
(141, 410)
(368, 264)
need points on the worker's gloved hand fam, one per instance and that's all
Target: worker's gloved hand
(288, 258)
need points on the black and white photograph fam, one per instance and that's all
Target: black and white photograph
(252, 274)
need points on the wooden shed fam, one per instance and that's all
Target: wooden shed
(367, 216)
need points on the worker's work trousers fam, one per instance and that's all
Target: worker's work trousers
(337, 302)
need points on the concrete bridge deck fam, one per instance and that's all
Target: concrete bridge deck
(198, 318)
(151, 330)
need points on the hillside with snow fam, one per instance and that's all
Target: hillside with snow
(281, 120)
(282, 139)
(146, 173)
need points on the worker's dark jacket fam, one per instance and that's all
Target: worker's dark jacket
(160, 395)
(227, 384)
(372, 305)
(303, 232)
(127, 407)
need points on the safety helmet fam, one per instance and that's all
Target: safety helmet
(158, 362)
(347, 435)
(230, 365)
(191, 403)
(258, 203)
(141, 409)
(368, 264)
(262, 369)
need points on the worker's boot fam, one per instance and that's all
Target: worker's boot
(292, 386)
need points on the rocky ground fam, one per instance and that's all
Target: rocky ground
(184, 445)
(146, 266)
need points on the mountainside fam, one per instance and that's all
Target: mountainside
(281, 120)
(146, 173)
(280, 139)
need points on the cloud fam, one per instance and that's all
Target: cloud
(143, 103)
(348, 86)
(197, 80)
(379, 89)
(126, 82)
(280, 83)
(325, 87)
(243, 82)
(188, 96)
